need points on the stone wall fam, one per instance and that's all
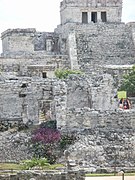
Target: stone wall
(80, 92)
(98, 44)
(85, 118)
(105, 44)
(71, 11)
(27, 42)
(13, 146)
(42, 175)
(110, 148)
(18, 66)
(18, 40)
(28, 98)
(25, 99)
(132, 26)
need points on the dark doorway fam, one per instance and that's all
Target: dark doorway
(103, 17)
(94, 17)
(84, 17)
(44, 75)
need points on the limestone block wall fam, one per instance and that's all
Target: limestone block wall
(26, 42)
(132, 26)
(74, 14)
(85, 118)
(80, 92)
(60, 103)
(13, 146)
(71, 175)
(110, 44)
(19, 65)
(26, 99)
(104, 140)
(25, 96)
(46, 41)
(21, 101)
(98, 44)
(71, 11)
(17, 40)
(107, 148)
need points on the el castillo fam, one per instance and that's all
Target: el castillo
(71, 79)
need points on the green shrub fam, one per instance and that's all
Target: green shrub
(64, 73)
(128, 83)
(67, 140)
(49, 124)
(28, 164)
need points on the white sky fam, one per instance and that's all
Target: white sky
(42, 14)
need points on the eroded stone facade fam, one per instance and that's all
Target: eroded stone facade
(90, 38)
(87, 11)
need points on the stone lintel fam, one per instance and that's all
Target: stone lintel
(19, 31)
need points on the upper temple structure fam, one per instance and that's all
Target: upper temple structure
(92, 39)
(87, 11)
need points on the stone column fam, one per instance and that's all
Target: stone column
(73, 51)
(99, 16)
(89, 17)
(48, 45)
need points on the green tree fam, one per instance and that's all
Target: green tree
(128, 83)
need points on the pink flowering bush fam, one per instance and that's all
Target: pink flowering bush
(46, 136)
(44, 142)
(47, 142)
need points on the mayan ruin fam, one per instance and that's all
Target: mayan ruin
(91, 38)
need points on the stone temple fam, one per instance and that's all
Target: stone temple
(90, 38)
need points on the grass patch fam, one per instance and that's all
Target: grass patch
(98, 175)
(129, 174)
(13, 166)
(111, 174)
(55, 166)
(10, 166)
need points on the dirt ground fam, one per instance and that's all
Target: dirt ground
(111, 178)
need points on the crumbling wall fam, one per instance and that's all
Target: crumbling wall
(105, 44)
(22, 99)
(18, 40)
(52, 175)
(77, 92)
(111, 148)
(28, 42)
(132, 26)
(20, 66)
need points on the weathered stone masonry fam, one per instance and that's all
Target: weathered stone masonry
(42, 175)
(90, 38)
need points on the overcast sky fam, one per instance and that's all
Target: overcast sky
(42, 14)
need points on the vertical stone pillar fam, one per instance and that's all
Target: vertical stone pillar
(60, 103)
(48, 45)
(89, 17)
(99, 16)
(73, 51)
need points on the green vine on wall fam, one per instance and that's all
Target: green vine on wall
(64, 73)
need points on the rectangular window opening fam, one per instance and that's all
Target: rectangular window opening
(84, 17)
(44, 74)
(94, 17)
(103, 17)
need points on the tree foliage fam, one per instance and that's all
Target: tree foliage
(128, 83)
